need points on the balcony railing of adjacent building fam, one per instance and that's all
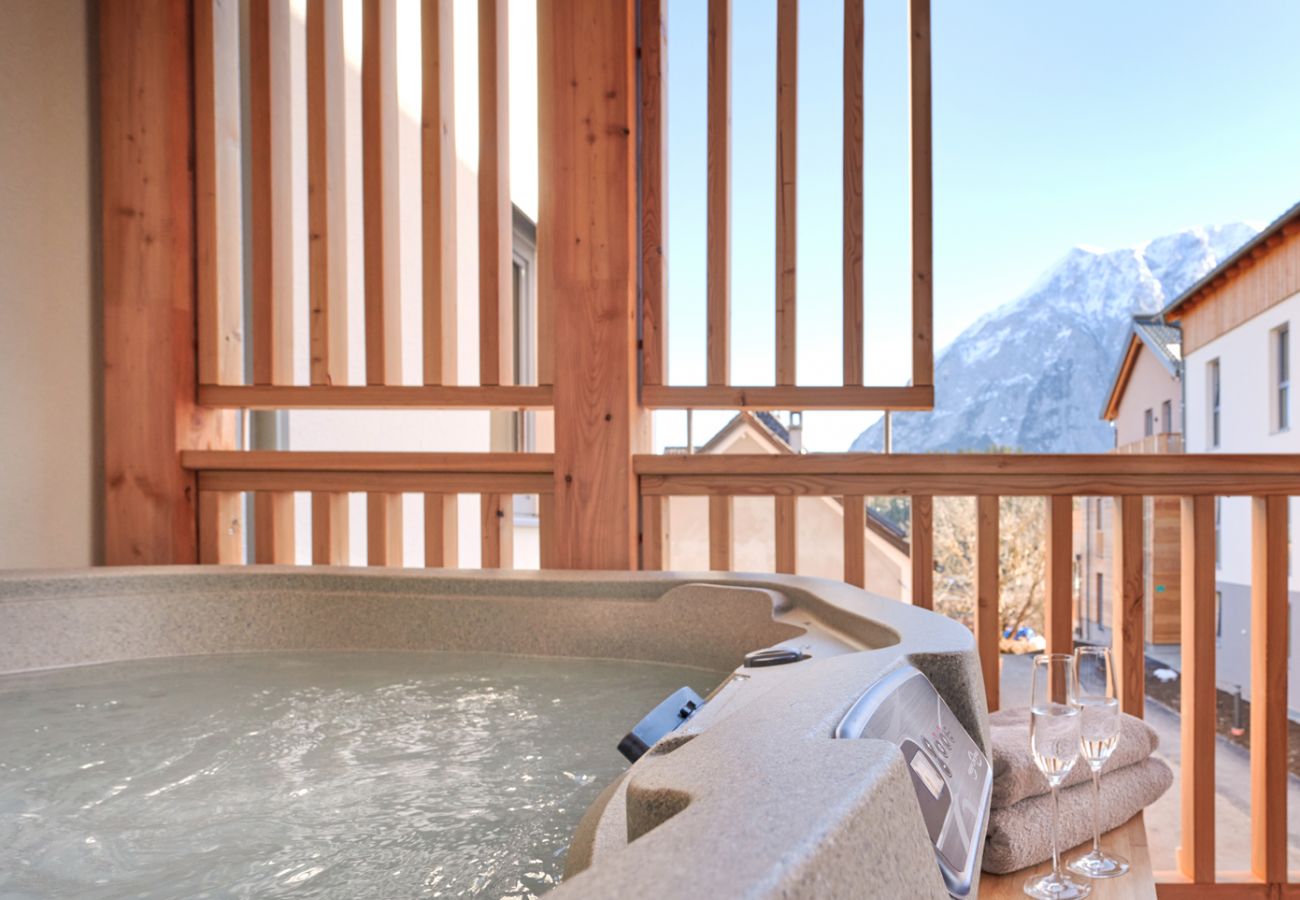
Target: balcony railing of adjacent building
(1166, 442)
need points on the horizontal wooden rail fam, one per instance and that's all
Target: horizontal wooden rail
(849, 397)
(377, 396)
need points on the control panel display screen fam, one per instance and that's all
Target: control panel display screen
(930, 776)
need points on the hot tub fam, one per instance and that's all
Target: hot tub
(372, 687)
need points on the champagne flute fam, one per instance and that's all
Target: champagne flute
(1054, 740)
(1094, 679)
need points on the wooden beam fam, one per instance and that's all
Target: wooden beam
(787, 397)
(787, 533)
(1269, 621)
(853, 211)
(921, 540)
(221, 528)
(587, 262)
(218, 189)
(148, 282)
(546, 530)
(273, 528)
(392, 482)
(495, 224)
(441, 531)
(653, 61)
(327, 193)
(1128, 616)
(787, 142)
(718, 162)
(383, 529)
(438, 191)
(379, 188)
(855, 540)
(271, 191)
(652, 533)
(329, 529)
(922, 197)
(720, 533)
(988, 595)
(497, 530)
(376, 396)
(349, 461)
(1058, 605)
(1199, 708)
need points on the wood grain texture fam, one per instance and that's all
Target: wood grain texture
(720, 533)
(786, 515)
(495, 231)
(383, 529)
(587, 264)
(988, 595)
(329, 529)
(1128, 615)
(379, 190)
(652, 534)
(787, 142)
(367, 461)
(546, 536)
(853, 209)
(326, 193)
(273, 528)
(1058, 606)
(217, 192)
(441, 531)
(1128, 840)
(1196, 851)
(271, 188)
(788, 397)
(855, 540)
(718, 162)
(377, 396)
(221, 528)
(148, 280)
(1270, 622)
(496, 517)
(921, 540)
(922, 196)
(438, 190)
(413, 482)
(653, 61)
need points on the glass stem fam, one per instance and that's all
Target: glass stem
(1096, 811)
(1056, 822)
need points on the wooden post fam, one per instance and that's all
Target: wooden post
(654, 186)
(1196, 853)
(329, 528)
(1268, 681)
(149, 276)
(855, 540)
(1059, 602)
(988, 594)
(1127, 619)
(853, 171)
(922, 197)
(587, 263)
(718, 163)
(441, 531)
(921, 539)
(720, 532)
(438, 192)
(221, 527)
(787, 533)
(787, 141)
(497, 530)
(495, 228)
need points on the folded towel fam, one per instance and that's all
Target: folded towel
(1021, 835)
(1015, 774)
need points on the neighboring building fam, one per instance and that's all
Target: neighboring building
(1237, 324)
(820, 549)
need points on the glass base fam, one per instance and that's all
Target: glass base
(1050, 887)
(1099, 864)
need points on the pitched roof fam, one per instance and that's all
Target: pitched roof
(1165, 343)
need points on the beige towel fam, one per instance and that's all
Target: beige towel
(1021, 835)
(1016, 776)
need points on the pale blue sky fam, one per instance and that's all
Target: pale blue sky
(1104, 123)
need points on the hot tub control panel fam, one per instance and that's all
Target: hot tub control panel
(671, 713)
(952, 777)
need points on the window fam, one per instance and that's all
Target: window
(1218, 613)
(1282, 378)
(1218, 532)
(1148, 423)
(1213, 384)
(1167, 417)
(1101, 606)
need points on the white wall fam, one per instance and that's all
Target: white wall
(49, 399)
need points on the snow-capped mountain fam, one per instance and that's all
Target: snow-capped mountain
(1032, 374)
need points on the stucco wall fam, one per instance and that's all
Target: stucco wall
(48, 284)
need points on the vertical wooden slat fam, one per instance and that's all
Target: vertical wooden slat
(1268, 688)
(988, 595)
(498, 530)
(855, 540)
(787, 534)
(495, 228)
(217, 173)
(652, 533)
(718, 162)
(438, 191)
(221, 527)
(383, 529)
(441, 531)
(853, 223)
(653, 61)
(787, 71)
(272, 192)
(273, 528)
(546, 530)
(720, 533)
(379, 183)
(1059, 575)
(922, 197)
(329, 529)
(326, 193)
(1128, 619)
(922, 544)
(1196, 853)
